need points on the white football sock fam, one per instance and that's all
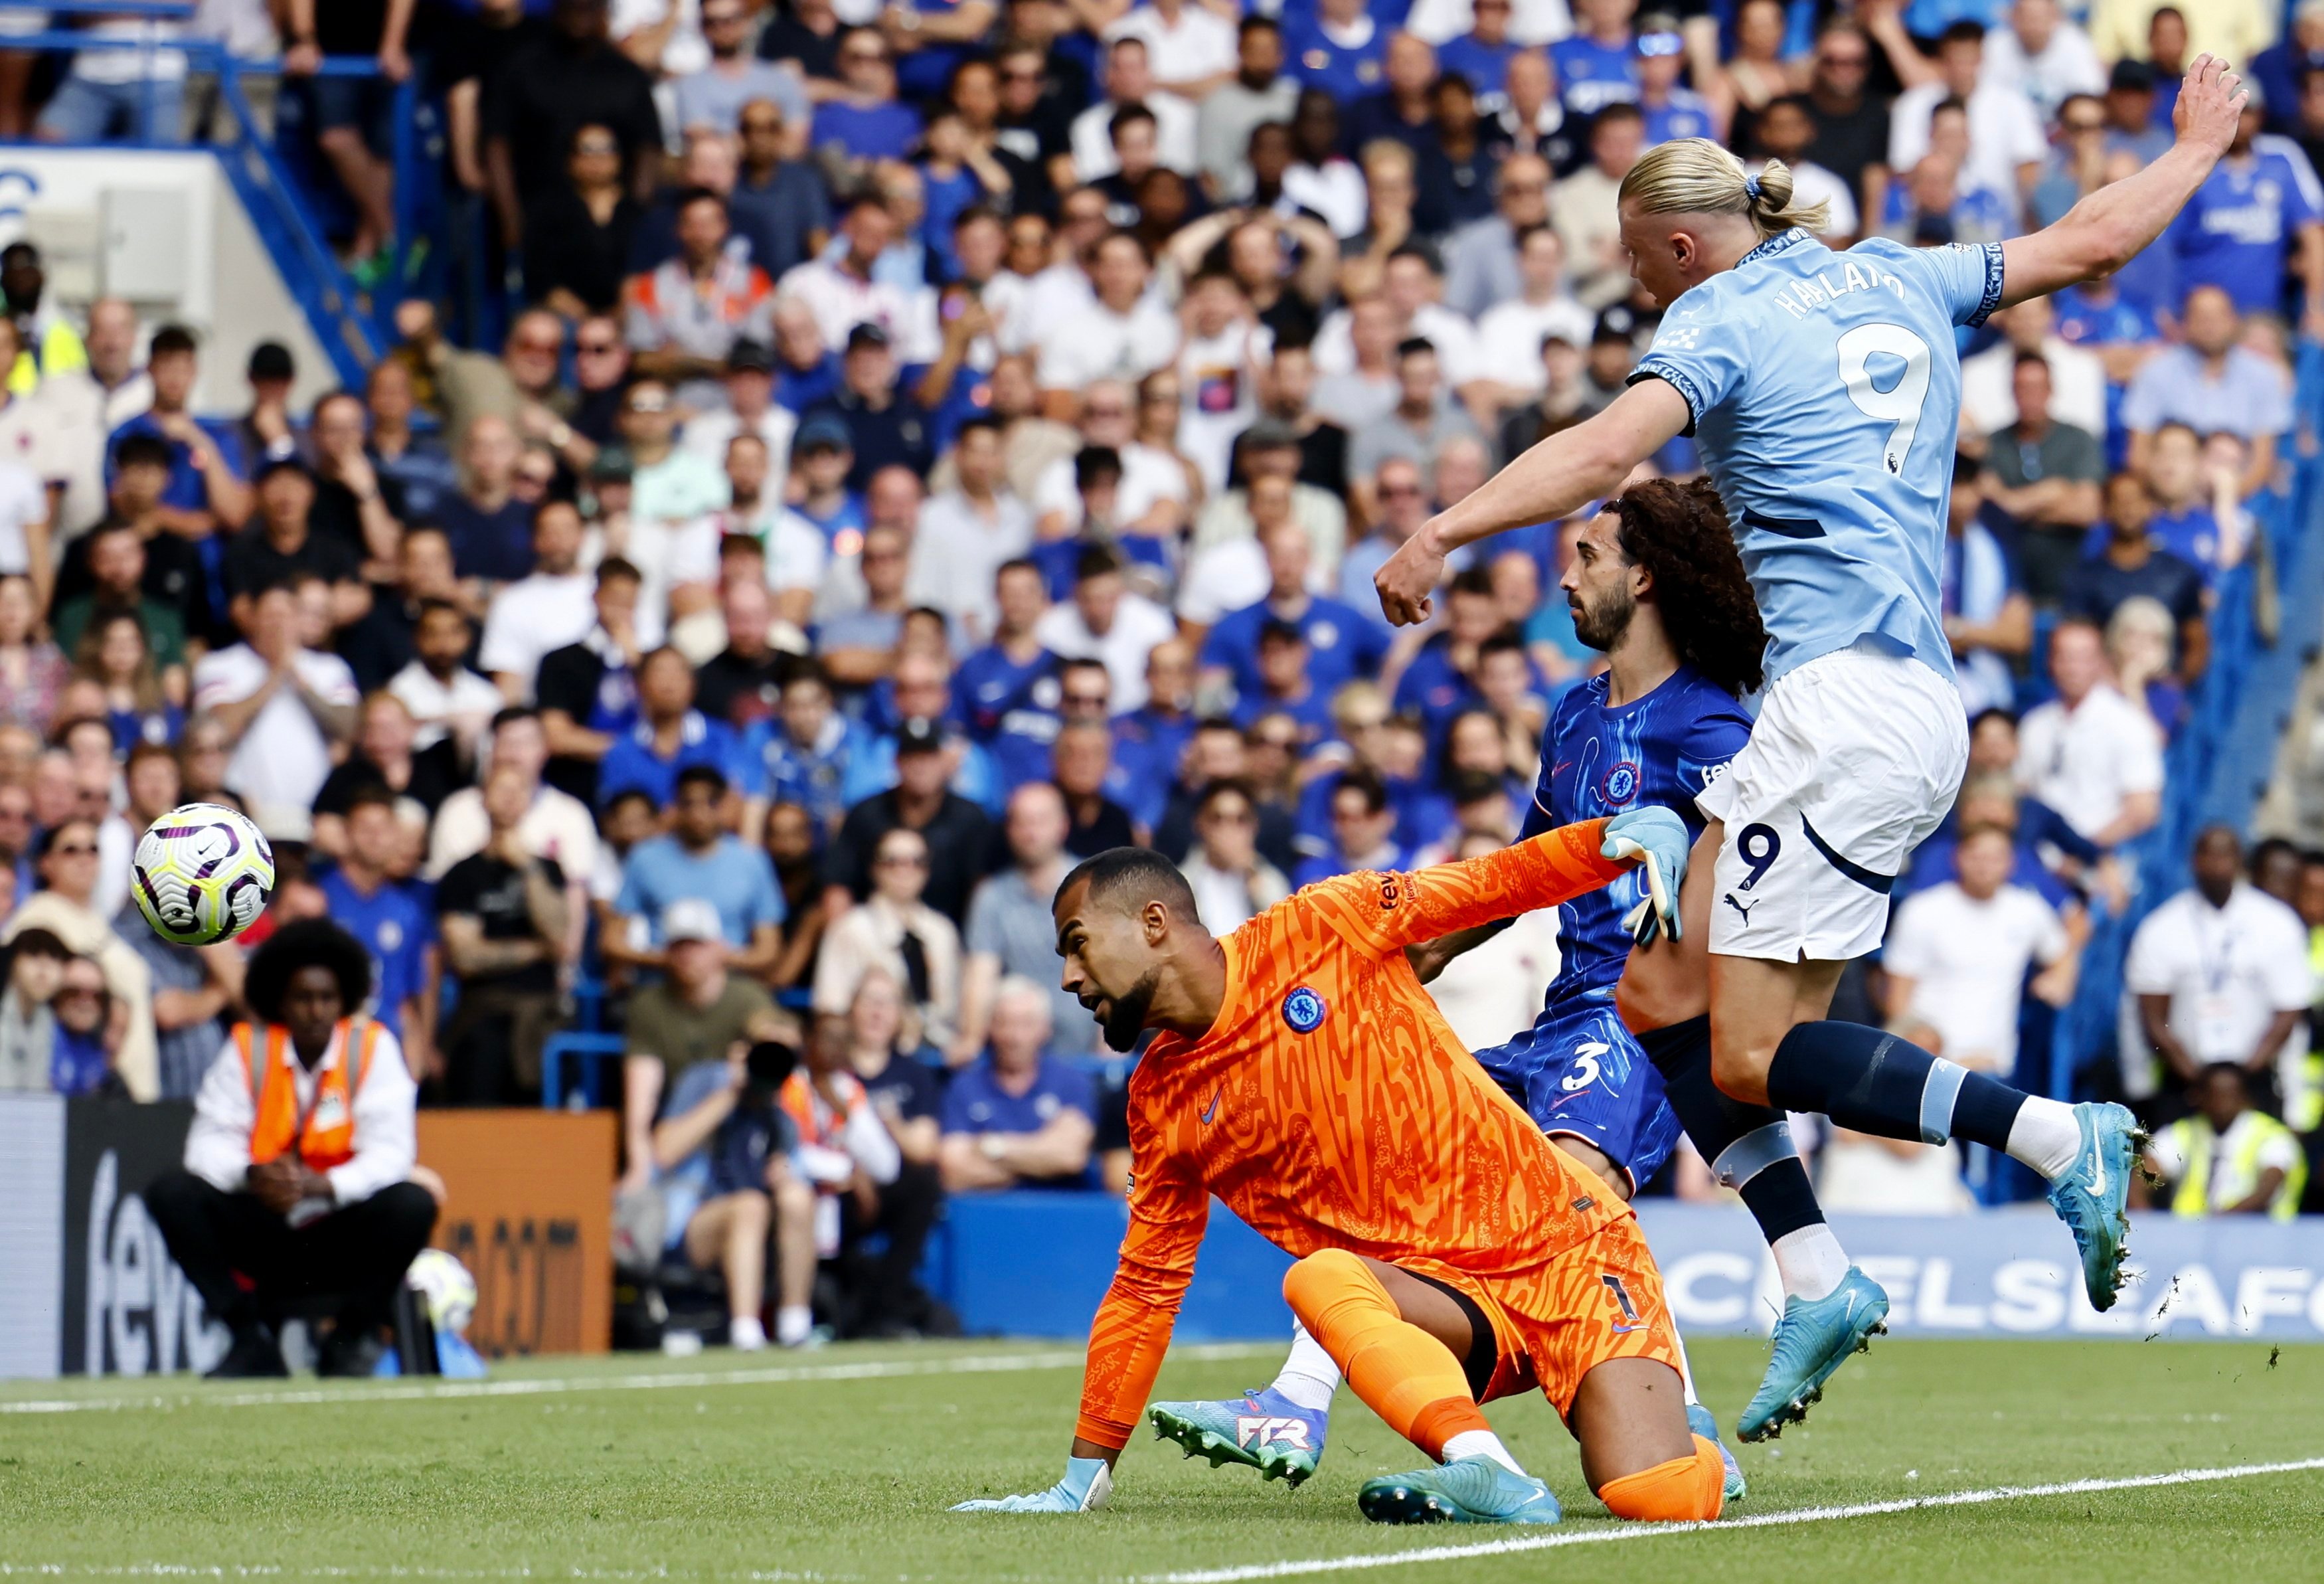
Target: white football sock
(793, 1321)
(745, 1333)
(1479, 1443)
(2045, 1136)
(1810, 1262)
(1308, 1377)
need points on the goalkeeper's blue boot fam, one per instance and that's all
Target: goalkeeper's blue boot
(1813, 1338)
(2092, 1196)
(1468, 1491)
(1263, 1430)
(1700, 1420)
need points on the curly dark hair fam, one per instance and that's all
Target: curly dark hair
(307, 943)
(1678, 533)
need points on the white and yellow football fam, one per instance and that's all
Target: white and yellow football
(202, 875)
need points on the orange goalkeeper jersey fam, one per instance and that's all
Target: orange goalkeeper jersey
(1331, 1108)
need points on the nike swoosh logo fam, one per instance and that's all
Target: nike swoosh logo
(2097, 1173)
(1212, 1109)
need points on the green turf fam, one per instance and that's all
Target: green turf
(848, 1478)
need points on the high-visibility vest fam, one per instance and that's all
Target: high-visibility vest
(59, 350)
(2193, 1140)
(2304, 1111)
(324, 1132)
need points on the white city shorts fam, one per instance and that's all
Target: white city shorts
(1855, 761)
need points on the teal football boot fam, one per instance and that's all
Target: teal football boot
(1468, 1491)
(1813, 1340)
(1261, 1430)
(2092, 1196)
(1700, 1420)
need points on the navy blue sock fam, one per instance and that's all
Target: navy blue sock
(1870, 1081)
(1750, 1147)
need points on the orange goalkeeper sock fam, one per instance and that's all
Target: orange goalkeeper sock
(1683, 1489)
(1404, 1374)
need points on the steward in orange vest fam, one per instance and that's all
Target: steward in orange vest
(296, 1189)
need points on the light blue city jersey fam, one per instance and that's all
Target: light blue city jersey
(1826, 395)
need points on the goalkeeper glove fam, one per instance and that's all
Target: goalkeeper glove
(1658, 840)
(1083, 1489)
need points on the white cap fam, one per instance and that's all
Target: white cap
(691, 919)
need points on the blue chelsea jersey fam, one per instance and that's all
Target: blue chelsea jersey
(1596, 762)
(1826, 393)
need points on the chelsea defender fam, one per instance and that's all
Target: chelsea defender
(1824, 389)
(1656, 583)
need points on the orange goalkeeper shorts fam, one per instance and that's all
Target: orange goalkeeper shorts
(1552, 1325)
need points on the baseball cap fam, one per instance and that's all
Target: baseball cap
(751, 358)
(291, 462)
(2131, 77)
(867, 334)
(1270, 434)
(919, 735)
(271, 360)
(690, 918)
(1617, 323)
(823, 429)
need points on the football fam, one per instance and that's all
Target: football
(202, 875)
(445, 1285)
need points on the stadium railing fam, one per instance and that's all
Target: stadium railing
(352, 324)
(2268, 624)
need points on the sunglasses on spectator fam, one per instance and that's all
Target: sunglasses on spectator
(900, 861)
(762, 123)
(1847, 60)
(73, 850)
(883, 555)
(597, 349)
(1085, 700)
(1400, 489)
(1230, 816)
(1288, 744)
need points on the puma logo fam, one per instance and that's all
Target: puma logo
(1744, 912)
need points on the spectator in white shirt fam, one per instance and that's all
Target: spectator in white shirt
(1105, 622)
(1232, 885)
(1190, 49)
(552, 607)
(893, 929)
(1122, 334)
(2091, 753)
(1151, 498)
(842, 289)
(2005, 144)
(283, 707)
(2077, 375)
(751, 408)
(2220, 973)
(444, 696)
(1130, 80)
(968, 532)
(298, 1165)
(1957, 957)
(2043, 56)
(1510, 333)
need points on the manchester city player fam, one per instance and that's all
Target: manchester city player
(1655, 584)
(1823, 390)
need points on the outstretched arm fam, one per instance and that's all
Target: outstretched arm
(1553, 479)
(2112, 226)
(1168, 1211)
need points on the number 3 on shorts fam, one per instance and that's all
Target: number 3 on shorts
(1907, 395)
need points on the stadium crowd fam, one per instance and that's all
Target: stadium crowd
(941, 442)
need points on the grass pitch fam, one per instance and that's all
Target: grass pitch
(840, 1464)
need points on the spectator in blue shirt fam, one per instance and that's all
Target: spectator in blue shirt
(1363, 831)
(2210, 382)
(800, 754)
(1482, 53)
(2259, 213)
(1440, 681)
(779, 205)
(1341, 643)
(1009, 691)
(1672, 110)
(490, 529)
(670, 733)
(2130, 565)
(1285, 688)
(2186, 522)
(864, 123)
(1401, 110)
(805, 371)
(1339, 48)
(922, 692)
(1149, 741)
(1597, 65)
(394, 924)
(699, 859)
(207, 492)
(1021, 1118)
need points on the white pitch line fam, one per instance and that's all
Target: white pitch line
(1633, 1532)
(690, 1380)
